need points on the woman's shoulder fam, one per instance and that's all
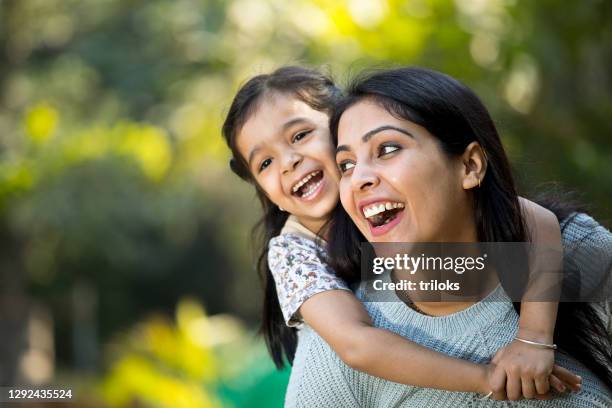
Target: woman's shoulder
(578, 226)
(585, 239)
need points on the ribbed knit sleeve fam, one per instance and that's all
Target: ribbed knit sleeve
(587, 258)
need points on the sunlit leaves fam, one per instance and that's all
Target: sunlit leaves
(41, 121)
(171, 365)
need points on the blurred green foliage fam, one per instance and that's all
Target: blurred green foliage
(113, 173)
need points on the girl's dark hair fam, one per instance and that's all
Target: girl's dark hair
(320, 93)
(453, 114)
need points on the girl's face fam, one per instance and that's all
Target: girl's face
(288, 149)
(396, 183)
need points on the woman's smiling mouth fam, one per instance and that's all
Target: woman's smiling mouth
(382, 216)
(309, 186)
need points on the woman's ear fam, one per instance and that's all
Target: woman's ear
(474, 166)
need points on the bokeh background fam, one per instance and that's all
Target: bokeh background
(126, 271)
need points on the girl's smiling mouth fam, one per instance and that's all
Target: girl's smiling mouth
(309, 186)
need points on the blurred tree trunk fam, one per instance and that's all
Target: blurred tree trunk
(13, 308)
(6, 8)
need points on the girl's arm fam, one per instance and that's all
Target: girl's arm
(381, 353)
(522, 369)
(308, 290)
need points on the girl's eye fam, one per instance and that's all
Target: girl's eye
(300, 135)
(345, 166)
(265, 164)
(386, 149)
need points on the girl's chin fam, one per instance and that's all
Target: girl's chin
(317, 214)
(324, 205)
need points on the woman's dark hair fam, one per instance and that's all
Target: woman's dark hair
(320, 93)
(455, 116)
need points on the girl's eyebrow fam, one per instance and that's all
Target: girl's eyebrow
(294, 121)
(286, 125)
(252, 154)
(368, 135)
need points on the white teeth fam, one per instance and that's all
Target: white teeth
(303, 181)
(376, 209)
(312, 189)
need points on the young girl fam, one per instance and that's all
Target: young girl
(277, 129)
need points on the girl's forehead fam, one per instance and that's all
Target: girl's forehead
(279, 106)
(275, 111)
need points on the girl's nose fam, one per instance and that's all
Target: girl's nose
(291, 161)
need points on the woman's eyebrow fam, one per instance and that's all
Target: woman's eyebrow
(369, 134)
(342, 148)
(379, 129)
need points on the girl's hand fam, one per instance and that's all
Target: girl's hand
(525, 371)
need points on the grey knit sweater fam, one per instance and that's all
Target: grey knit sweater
(320, 379)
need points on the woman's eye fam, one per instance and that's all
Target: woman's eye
(345, 166)
(300, 135)
(386, 149)
(265, 164)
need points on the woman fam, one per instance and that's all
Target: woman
(422, 139)
(264, 104)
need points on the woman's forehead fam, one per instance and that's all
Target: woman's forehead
(362, 117)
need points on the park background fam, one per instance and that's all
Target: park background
(125, 266)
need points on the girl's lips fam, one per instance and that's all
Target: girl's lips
(383, 229)
(317, 192)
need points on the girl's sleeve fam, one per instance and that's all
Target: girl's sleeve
(299, 272)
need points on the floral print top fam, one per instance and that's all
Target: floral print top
(299, 270)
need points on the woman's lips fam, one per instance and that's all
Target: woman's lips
(383, 229)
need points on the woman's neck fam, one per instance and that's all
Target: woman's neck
(464, 232)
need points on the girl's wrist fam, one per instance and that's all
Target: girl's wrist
(483, 386)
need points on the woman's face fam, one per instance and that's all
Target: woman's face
(289, 151)
(396, 183)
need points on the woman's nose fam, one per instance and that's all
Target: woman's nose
(363, 178)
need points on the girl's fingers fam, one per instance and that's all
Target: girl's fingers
(542, 385)
(570, 379)
(529, 388)
(513, 388)
(556, 383)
